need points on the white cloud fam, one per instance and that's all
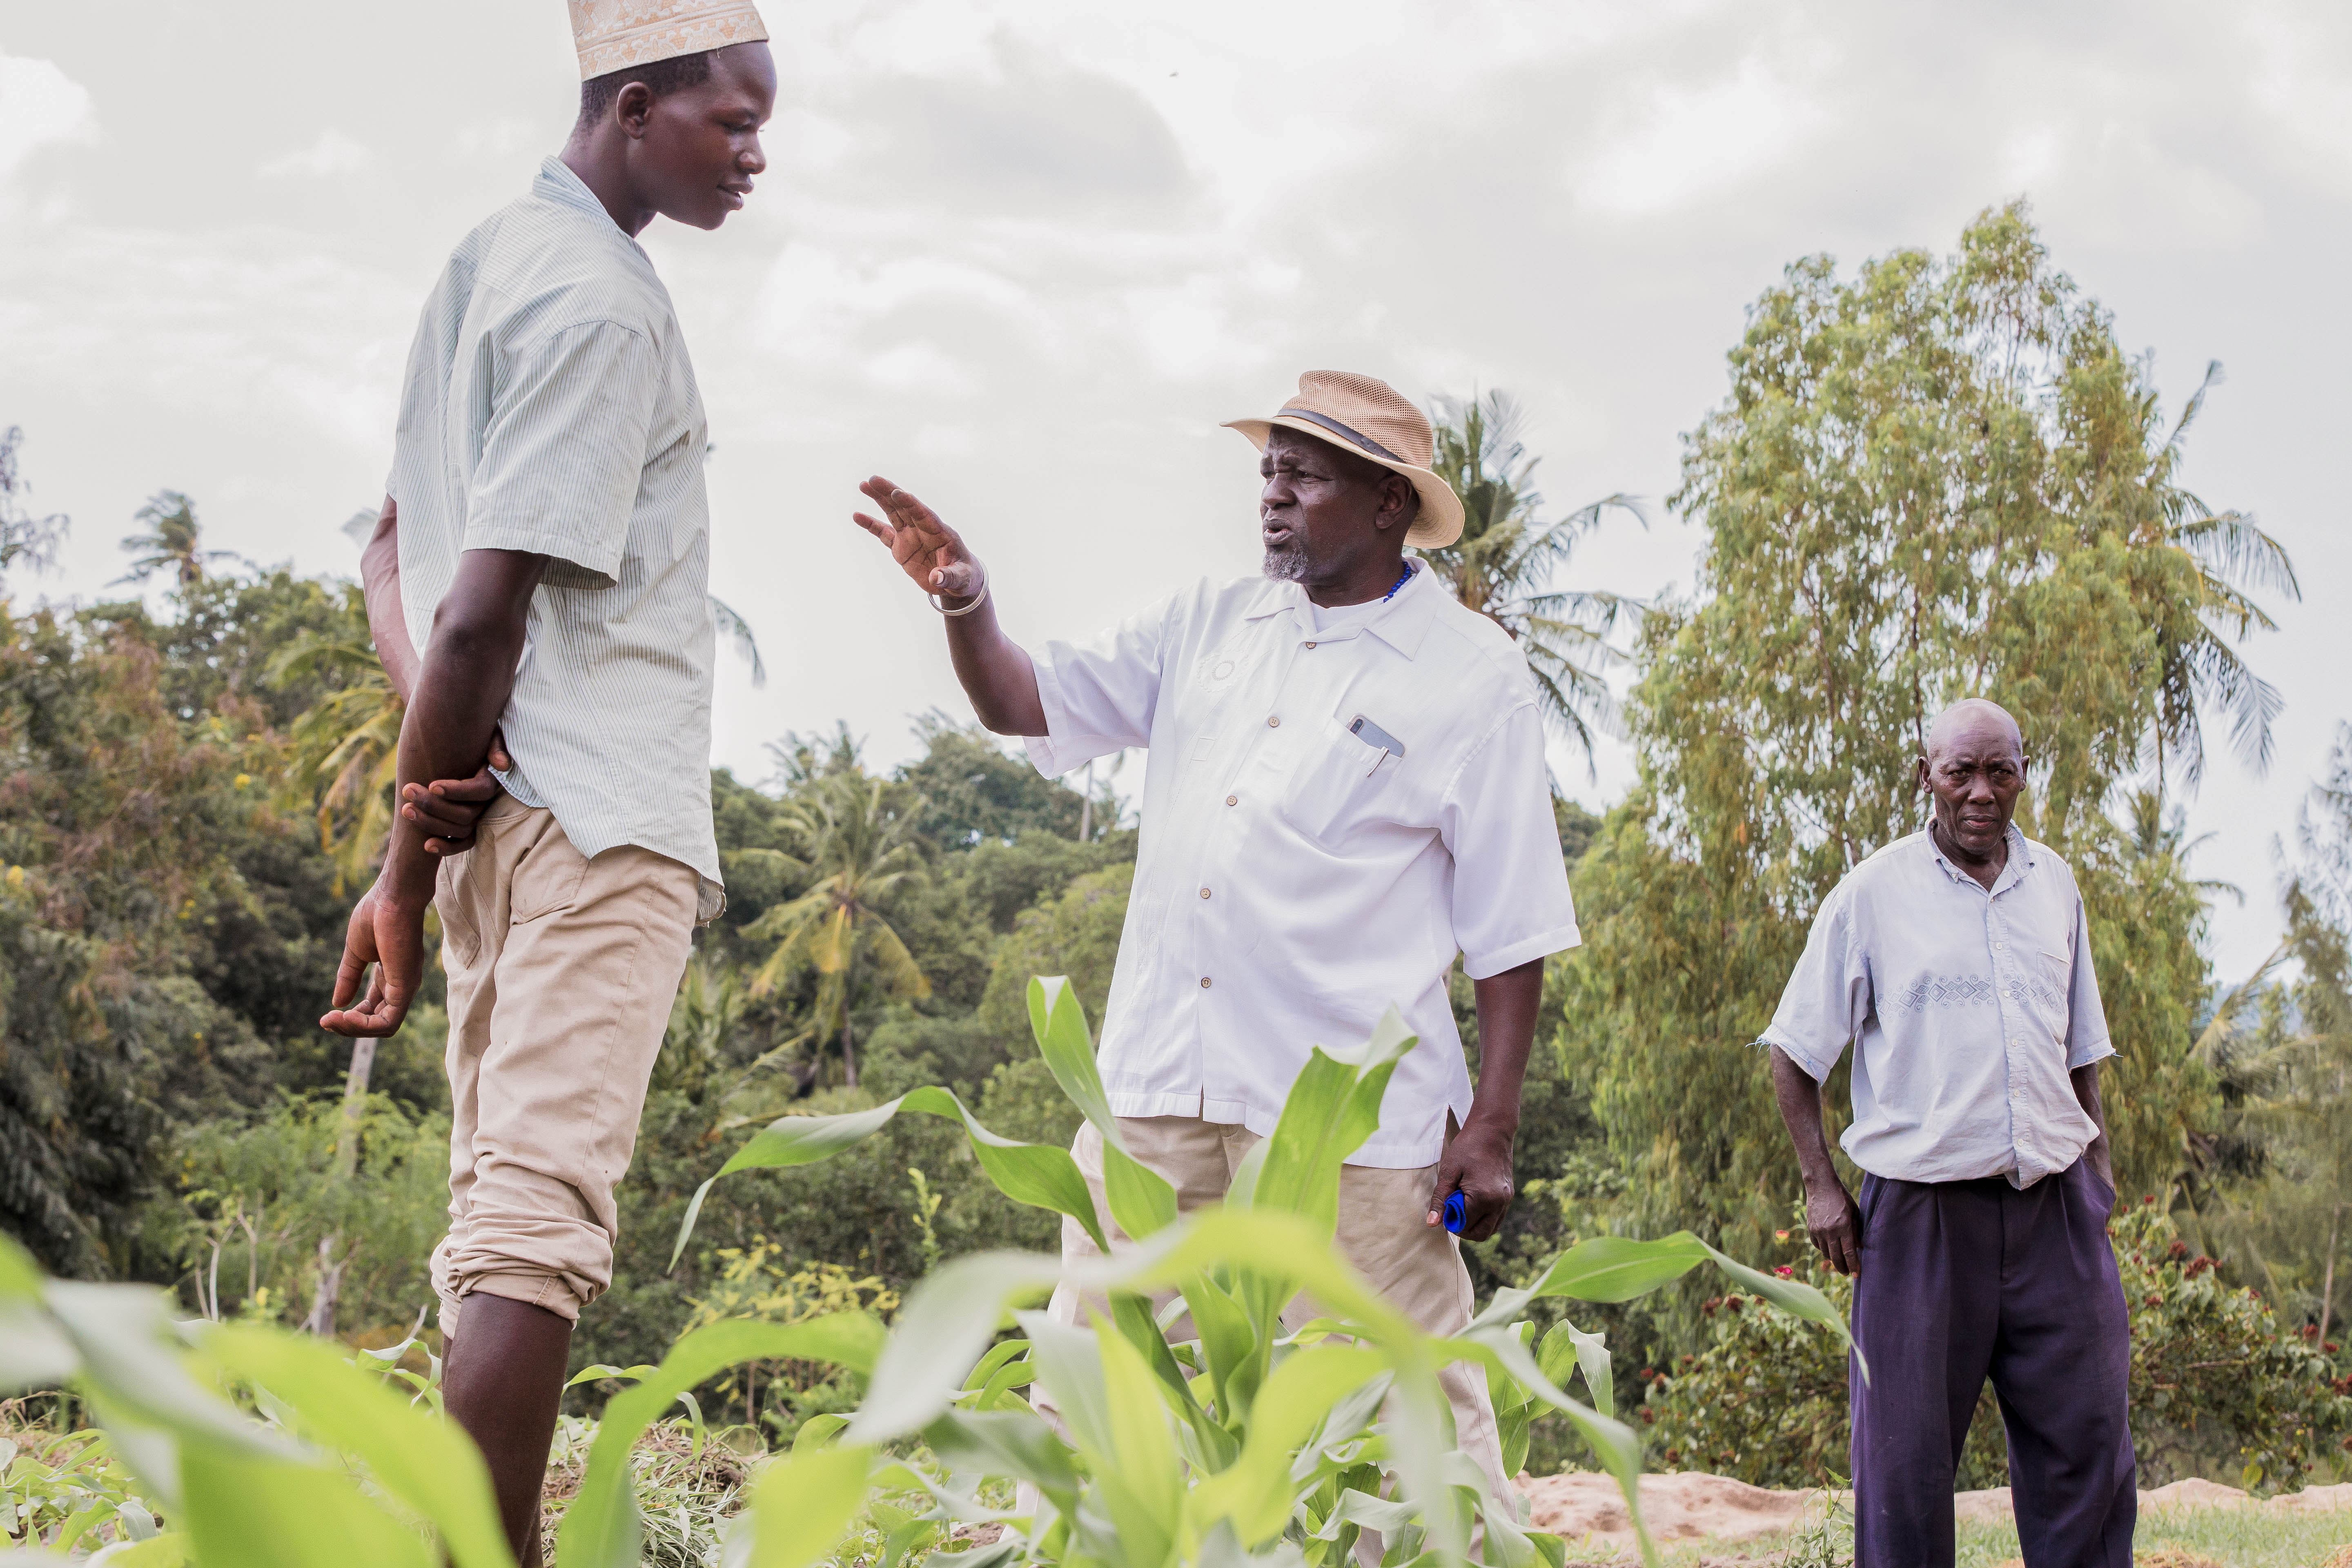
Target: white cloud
(332, 153)
(39, 104)
(1690, 141)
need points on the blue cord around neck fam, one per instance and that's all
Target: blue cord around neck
(1402, 578)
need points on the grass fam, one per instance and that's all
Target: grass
(2233, 1537)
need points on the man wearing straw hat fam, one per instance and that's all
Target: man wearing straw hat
(539, 589)
(1347, 789)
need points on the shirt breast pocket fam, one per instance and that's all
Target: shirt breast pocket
(1342, 785)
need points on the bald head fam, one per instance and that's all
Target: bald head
(1980, 724)
(1974, 768)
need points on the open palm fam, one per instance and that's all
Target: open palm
(926, 549)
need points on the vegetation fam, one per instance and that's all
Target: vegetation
(1928, 478)
(2219, 1388)
(1182, 1435)
(1507, 561)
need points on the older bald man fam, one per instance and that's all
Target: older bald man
(1957, 963)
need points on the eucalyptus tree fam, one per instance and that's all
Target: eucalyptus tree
(1931, 480)
(1505, 564)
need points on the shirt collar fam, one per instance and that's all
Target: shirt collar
(556, 183)
(1403, 622)
(2021, 860)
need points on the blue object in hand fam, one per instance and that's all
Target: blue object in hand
(1457, 1212)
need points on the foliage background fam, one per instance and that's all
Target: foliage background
(1929, 477)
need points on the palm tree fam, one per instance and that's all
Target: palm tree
(344, 752)
(1502, 566)
(171, 541)
(23, 537)
(2232, 559)
(859, 850)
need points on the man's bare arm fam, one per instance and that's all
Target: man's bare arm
(994, 669)
(2086, 1092)
(1478, 1161)
(444, 809)
(461, 688)
(387, 621)
(1831, 1219)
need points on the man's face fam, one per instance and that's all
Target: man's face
(1974, 771)
(1319, 510)
(701, 145)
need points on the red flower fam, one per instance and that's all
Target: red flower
(1784, 1271)
(1780, 1235)
(2150, 1199)
(2155, 1300)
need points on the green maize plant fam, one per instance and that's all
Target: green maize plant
(1190, 1424)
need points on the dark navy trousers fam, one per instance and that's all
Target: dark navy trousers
(1961, 1280)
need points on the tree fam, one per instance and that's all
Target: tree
(1504, 564)
(23, 537)
(859, 850)
(1930, 480)
(172, 541)
(343, 760)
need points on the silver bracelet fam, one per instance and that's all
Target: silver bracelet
(977, 599)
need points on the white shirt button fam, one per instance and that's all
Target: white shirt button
(1204, 892)
(1204, 983)
(1273, 723)
(1232, 800)
(1310, 645)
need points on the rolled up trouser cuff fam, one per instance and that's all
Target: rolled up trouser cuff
(542, 1290)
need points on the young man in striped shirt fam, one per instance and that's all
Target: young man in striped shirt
(537, 586)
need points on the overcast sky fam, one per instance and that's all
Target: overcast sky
(1024, 259)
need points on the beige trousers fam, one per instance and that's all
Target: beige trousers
(562, 972)
(1383, 1233)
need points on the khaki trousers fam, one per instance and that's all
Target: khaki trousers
(561, 973)
(1383, 1233)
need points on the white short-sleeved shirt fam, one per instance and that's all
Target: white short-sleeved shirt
(1294, 880)
(1970, 1009)
(550, 408)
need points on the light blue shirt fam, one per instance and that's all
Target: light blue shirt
(550, 408)
(1967, 1009)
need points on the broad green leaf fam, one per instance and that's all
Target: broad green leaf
(1799, 1300)
(942, 1328)
(1253, 1492)
(34, 1353)
(802, 1503)
(1611, 1441)
(425, 1462)
(1004, 1442)
(1132, 1315)
(258, 1511)
(1366, 1512)
(1038, 1174)
(602, 1528)
(1333, 1105)
(167, 1550)
(1140, 1477)
(1140, 1199)
(20, 1277)
(1567, 1346)
(1605, 1268)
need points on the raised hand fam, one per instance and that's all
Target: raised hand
(926, 549)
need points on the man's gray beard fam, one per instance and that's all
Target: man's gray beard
(1286, 565)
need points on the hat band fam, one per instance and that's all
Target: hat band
(1366, 442)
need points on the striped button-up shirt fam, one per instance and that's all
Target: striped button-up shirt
(550, 408)
(1331, 813)
(1969, 1009)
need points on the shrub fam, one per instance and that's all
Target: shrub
(2217, 1390)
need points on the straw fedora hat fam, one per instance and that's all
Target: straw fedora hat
(1364, 415)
